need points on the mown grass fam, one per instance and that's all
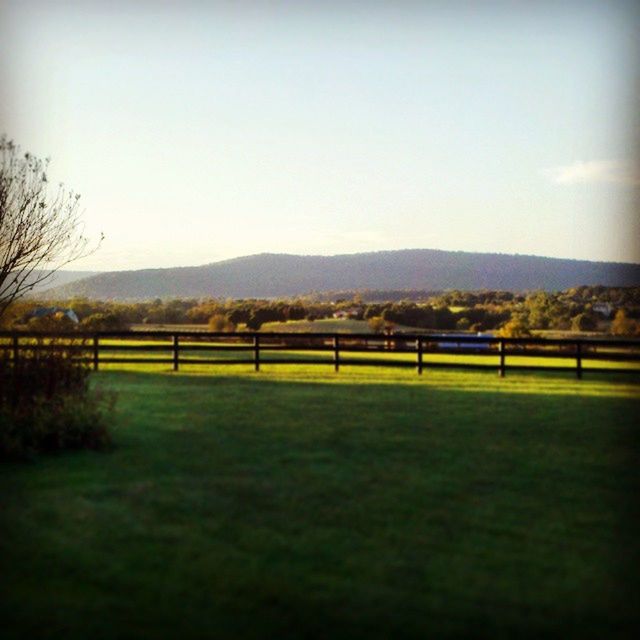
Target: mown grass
(301, 503)
(110, 349)
(266, 356)
(162, 349)
(327, 325)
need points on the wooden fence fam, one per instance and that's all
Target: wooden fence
(399, 350)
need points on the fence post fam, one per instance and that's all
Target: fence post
(256, 352)
(96, 352)
(419, 349)
(16, 349)
(176, 351)
(578, 360)
(502, 364)
(336, 353)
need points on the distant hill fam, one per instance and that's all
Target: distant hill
(58, 279)
(271, 275)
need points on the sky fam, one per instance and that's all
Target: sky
(197, 132)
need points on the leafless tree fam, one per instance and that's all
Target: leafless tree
(40, 232)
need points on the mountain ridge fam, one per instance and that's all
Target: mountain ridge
(276, 274)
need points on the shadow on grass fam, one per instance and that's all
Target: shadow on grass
(257, 505)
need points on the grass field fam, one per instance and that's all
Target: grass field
(301, 503)
(409, 359)
(160, 351)
(328, 325)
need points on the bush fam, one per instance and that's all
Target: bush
(622, 325)
(515, 328)
(377, 324)
(219, 322)
(46, 403)
(584, 322)
(57, 322)
(103, 322)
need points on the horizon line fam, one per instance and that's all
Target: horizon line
(345, 254)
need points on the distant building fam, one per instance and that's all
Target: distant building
(345, 314)
(603, 308)
(43, 312)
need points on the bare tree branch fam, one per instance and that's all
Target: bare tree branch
(39, 233)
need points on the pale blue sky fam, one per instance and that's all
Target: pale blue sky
(202, 131)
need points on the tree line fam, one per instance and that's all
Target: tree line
(607, 309)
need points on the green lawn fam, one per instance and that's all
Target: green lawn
(301, 503)
(328, 325)
(323, 325)
(111, 349)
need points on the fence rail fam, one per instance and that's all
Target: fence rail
(182, 348)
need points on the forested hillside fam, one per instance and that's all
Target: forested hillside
(273, 275)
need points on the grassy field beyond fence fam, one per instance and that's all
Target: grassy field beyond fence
(298, 502)
(182, 349)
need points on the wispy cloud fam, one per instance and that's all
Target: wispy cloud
(596, 172)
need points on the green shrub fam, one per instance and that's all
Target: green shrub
(46, 403)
